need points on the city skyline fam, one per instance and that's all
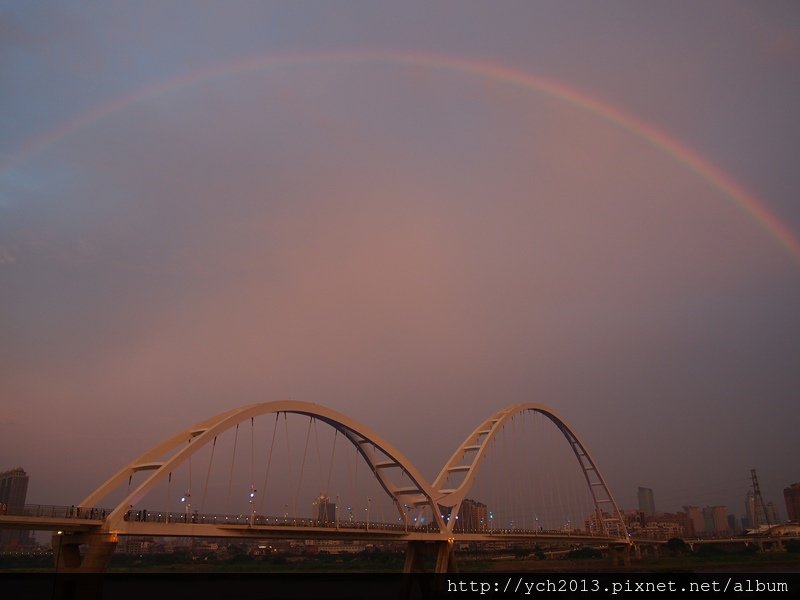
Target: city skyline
(413, 214)
(474, 515)
(324, 507)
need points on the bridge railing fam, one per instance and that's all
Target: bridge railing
(269, 521)
(56, 511)
(347, 524)
(143, 515)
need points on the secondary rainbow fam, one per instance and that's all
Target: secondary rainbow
(703, 167)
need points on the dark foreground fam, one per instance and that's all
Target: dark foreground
(386, 586)
(392, 562)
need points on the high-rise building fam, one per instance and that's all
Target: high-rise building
(733, 525)
(695, 514)
(13, 490)
(791, 495)
(647, 503)
(746, 524)
(325, 510)
(773, 518)
(716, 519)
(720, 516)
(472, 516)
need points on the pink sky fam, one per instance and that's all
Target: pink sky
(415, 247)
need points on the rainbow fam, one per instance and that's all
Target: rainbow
(713, 175)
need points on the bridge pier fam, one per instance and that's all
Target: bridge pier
(620, 554)
(97, 551)
(417, 551)
(641, 551)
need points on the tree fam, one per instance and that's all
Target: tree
(677, 547)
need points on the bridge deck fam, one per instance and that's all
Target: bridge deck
(377, 531)
(49, 523)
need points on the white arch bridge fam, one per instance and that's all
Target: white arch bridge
(461, 505)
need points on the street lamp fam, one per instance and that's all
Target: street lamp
(187, 500)
(252, 505)
(369, 505)
(58, 548)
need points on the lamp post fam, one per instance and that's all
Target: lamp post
(369, 505)
(187, 501)
(60, 535)
(252, 505)
(336, 512)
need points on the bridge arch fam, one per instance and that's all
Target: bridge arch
(191, 440)
(469, 456)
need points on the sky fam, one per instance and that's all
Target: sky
(413, 213)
